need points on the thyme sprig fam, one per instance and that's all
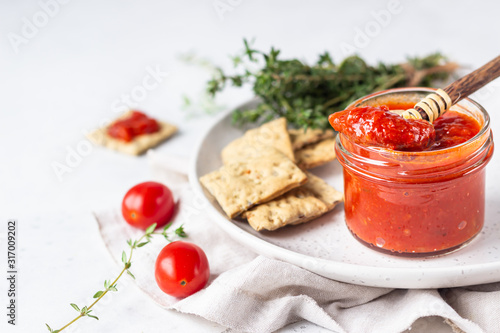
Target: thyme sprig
(127, 263)
(307, 94)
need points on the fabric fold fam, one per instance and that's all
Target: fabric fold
(251, 293)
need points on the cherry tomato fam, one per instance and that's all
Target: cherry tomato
(148, 203)
(181, 269)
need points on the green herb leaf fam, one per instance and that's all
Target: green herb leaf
(150, 229)
(180, 232)
(75, 307)
(98, 294)
(91, 316)
(142, 244)
(124, 257)
(186, 100)
(130, 273)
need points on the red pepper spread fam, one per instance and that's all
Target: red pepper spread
(421, 214)
(377, 126)
(136, 124)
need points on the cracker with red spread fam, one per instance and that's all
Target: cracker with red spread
(137, 144)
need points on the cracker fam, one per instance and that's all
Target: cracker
(316, 154)
(239, 185)
(273, 134)
(296, 206)
(303, 137)
(324, 192)
(138, 145)
(299, 205)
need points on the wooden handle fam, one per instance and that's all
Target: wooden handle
(474, 81)
(434, 105)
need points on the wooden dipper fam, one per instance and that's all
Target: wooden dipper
(435, 104)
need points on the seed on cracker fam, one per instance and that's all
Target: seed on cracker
(139, 144)
(299, 205)
(273, 133)
(316, 154)
(303, 137)
(240, 185)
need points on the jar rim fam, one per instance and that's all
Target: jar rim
(484, 128)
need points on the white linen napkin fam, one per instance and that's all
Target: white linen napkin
(253, 293)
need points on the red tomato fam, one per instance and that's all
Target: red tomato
(148, 203)
(181, 269)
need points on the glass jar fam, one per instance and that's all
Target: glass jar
(422, 203)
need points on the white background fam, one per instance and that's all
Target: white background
(65, 76)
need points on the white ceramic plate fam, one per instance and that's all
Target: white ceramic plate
(325, 246)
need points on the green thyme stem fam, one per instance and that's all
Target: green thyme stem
(71, 322)
(105, 291)
(127, 263)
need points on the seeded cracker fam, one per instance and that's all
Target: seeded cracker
(138, 145)
(299, 205)
(240, 185)
(273, 133)
(303, 137)
(316, 154)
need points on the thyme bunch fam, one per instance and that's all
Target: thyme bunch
(307, 94)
